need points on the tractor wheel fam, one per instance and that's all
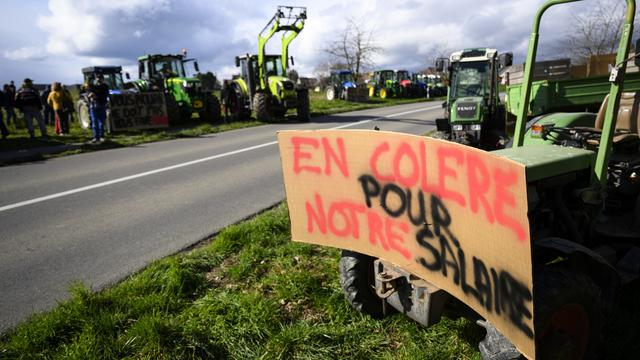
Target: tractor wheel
(330, 93)
(304, 112)
(372, 92)
(185, 113)
(261, 106)
(82, 109)
(568, 316)
(173, 110)
(211, 111)
(358, 282)
(383, 93)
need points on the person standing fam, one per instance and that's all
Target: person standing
(28, 101)
(48, 113)
(59, 100)
(3, 128)
(9, 101)
(98, 100)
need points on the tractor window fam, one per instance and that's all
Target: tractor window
(386, 75)
(273, 66)
(346, 77)
(403, 75)
(143, 70)
(470, 79)
(172, 67)
(114, 81)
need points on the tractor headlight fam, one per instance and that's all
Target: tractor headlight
(457, 127)
(279, 87)
(476, 127)
(185, 84)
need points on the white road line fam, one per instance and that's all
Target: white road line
(177, 166)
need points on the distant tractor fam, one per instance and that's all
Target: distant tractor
(408, 88)
(112, 77)
(339, 82)
(435, 85)
(384, 84)
(184, 95)
(474, 114)
(263, 86)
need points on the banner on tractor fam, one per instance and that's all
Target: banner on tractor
(451, 214)
(138, 111)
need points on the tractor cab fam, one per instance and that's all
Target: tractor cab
(112, 76)
(473, 112)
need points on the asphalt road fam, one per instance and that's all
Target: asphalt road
(98, 217)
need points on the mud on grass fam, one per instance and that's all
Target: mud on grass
(271, 299)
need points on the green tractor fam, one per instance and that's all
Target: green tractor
(184, 95)
(262, 85)
(384, 84)
(474, 114)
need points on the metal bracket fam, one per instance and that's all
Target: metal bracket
(387, 279)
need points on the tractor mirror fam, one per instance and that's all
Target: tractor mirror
(195, 66)
(292, 62)
(637, 50)
(237, 61)
(505, 59)
(126, 75)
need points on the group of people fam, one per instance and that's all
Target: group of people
(54, 106)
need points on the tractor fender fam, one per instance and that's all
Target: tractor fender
(579, 258)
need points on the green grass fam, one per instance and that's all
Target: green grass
(250, 293)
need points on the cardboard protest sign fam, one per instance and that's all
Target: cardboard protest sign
(451, 214)
(138, 111)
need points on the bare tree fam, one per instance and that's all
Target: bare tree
(594, 32)
(355, 48)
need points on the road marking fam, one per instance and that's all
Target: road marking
(188, 163)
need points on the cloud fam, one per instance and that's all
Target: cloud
(26, 53)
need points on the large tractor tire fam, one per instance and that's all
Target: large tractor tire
(304, 108)
(384, 93)
(372, 91)
(211, 111)
(568, 315)
(261, 107)
(84, 117)
(358, 283)
(330, 93)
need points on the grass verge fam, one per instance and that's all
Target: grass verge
(250, 293)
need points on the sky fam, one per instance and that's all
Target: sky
(51, 40)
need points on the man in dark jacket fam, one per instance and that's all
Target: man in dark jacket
(28, 101)
(9, 100)
(98, 100)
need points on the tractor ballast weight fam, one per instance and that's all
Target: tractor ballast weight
(262, 85)
(183, 95)
(473, 112)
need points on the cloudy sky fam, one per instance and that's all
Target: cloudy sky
(51, 40)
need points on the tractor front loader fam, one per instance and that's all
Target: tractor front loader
(263, 86)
